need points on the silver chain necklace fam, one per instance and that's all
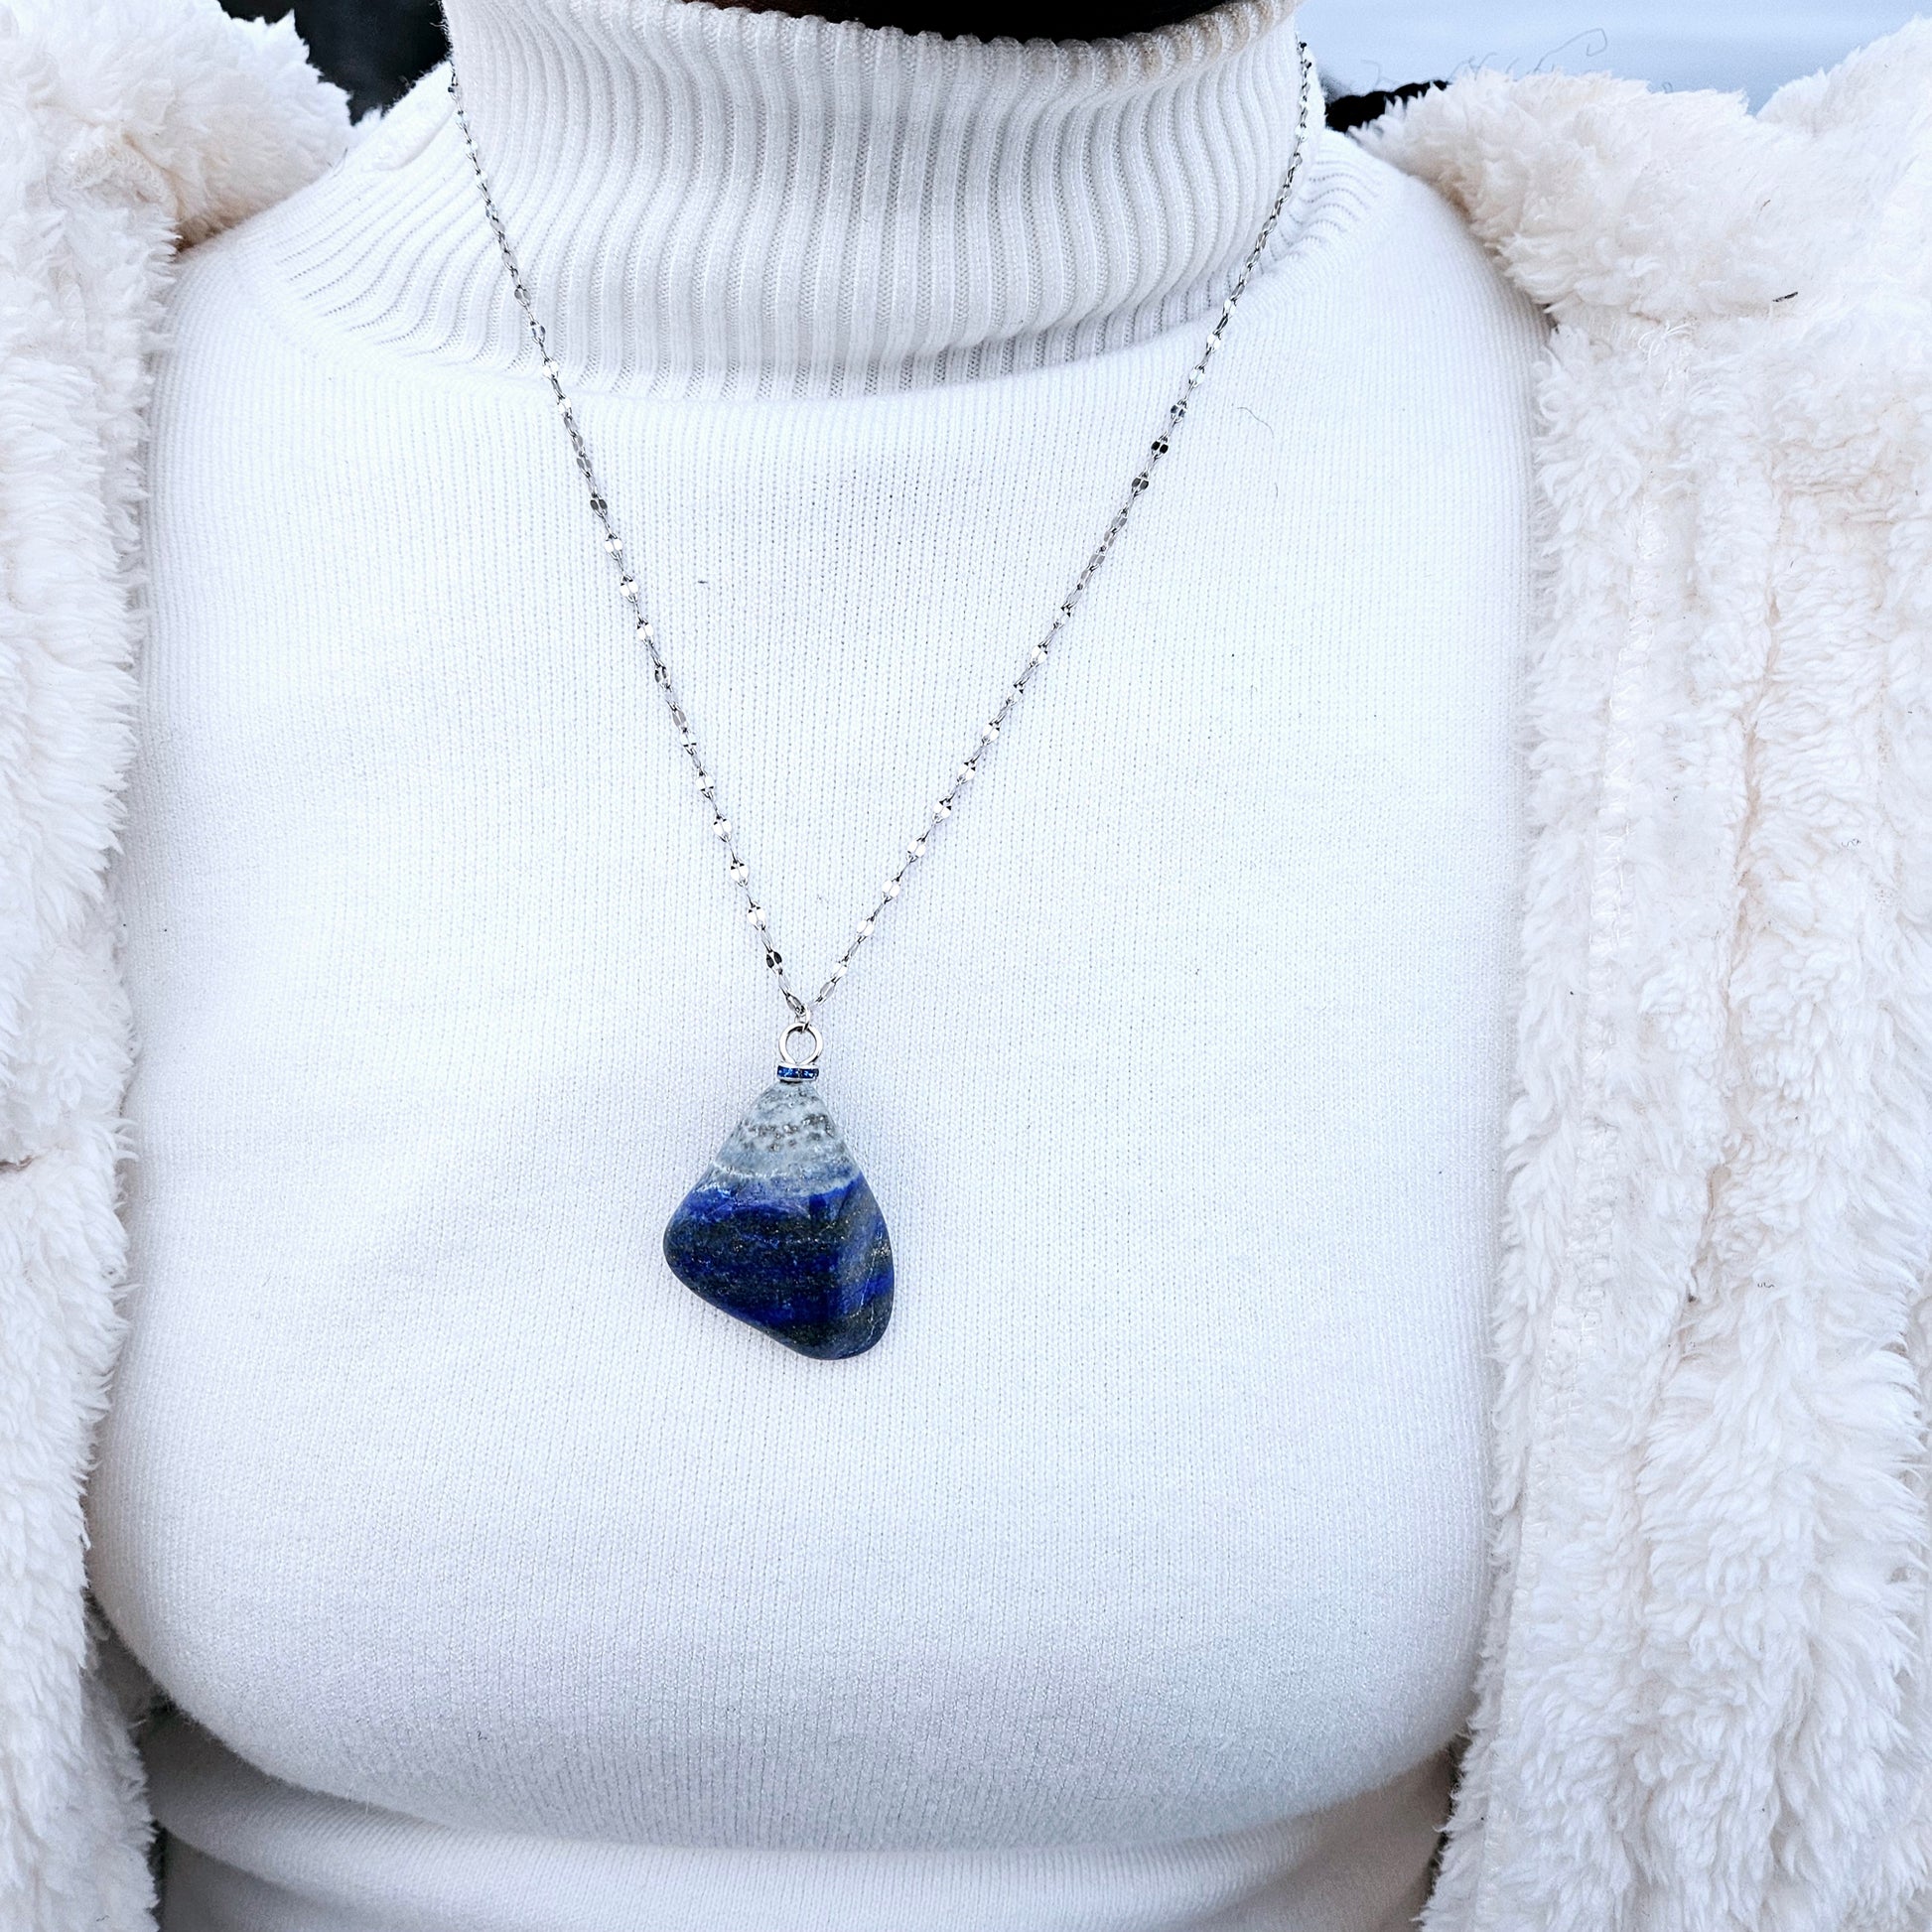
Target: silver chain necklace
(782, 1230)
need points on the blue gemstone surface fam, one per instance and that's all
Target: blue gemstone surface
(783, 1232)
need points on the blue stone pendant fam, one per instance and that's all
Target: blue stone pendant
(782, 1230)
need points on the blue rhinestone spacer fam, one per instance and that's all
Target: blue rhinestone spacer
(798, 1074)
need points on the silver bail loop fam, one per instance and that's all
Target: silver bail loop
(792, 1062)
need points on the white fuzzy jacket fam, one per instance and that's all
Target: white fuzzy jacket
(1706, 1696)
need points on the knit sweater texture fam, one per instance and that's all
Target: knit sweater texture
(1136, 1577)
(1702, 1694)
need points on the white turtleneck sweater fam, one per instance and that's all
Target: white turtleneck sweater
(1133, 1581)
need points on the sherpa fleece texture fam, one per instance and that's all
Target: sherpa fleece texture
(125, 125)
(1704, 1701)
(1703, 1697)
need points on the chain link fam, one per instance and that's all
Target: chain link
(969, 768)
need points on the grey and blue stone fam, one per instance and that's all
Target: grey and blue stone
(783, 1232)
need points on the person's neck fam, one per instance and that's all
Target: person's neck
(711, 201)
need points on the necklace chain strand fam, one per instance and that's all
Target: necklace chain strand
(632, 591)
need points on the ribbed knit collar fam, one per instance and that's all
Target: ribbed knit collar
(708, 201)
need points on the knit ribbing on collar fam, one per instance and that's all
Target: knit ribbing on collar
(713, 201)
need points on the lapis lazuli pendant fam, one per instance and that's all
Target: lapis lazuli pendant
(782, 1230)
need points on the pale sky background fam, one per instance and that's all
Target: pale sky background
(1756, 45)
